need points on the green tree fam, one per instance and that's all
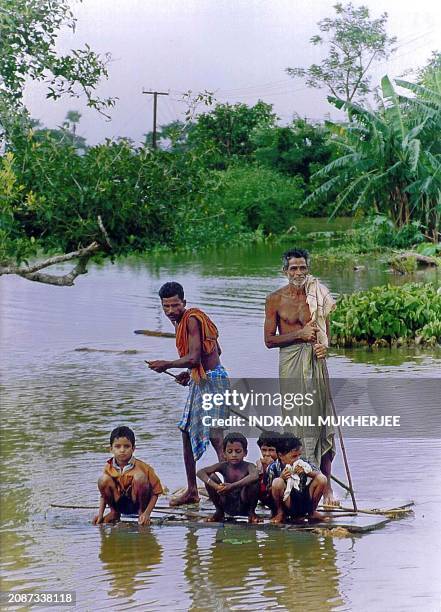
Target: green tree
(259, 198)
(430, 74)
(172, 135)
(227, 132)
(300, 148)
(66, 133)
(29, 31)
(355, 43)
(391, 159)
(54, 200)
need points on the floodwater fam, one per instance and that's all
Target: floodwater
(59, 405)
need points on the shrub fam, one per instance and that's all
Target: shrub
(259, 198)
(388, 313)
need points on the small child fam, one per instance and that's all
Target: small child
(238, 494)
(266, 443)
(304, 497)
(127, 485)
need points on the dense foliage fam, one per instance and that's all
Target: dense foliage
(300, 148)
(410, 313)
(260, 198)
(226, 133)
(390, 160)
(51, 197)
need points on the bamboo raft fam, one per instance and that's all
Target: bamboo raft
(341, 521)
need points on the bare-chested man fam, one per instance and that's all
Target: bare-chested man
(199, 351)
(297, 323)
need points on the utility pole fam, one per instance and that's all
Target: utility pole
(155, 95)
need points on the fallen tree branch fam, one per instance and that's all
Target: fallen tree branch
(32, 272)
(65, 280)
(424, 260)
(51, 261)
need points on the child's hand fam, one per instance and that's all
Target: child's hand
(266, 460)
(286, 474)
(225, 488)
(98, 519)
(144, 519)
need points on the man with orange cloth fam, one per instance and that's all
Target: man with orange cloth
(199, 351)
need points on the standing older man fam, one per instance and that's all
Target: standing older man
(297, 323)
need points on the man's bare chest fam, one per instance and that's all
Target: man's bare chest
(293, 310)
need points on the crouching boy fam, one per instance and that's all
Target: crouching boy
(127, 485)
(296, 486)
(266, 443)
(238, 494)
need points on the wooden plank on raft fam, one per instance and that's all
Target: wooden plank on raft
(339, 518)
(353, 524)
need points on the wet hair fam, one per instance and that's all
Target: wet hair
(236, 437)
(287, 443)
(169, 290)
(122, 432)
(295, 253)
(267, 438)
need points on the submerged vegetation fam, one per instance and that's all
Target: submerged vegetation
(386, 316)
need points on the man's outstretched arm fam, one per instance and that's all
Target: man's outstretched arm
(192, 359)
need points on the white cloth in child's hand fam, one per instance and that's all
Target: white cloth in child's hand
(293, 481)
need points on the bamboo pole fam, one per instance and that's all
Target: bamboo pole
(393, 511)
(340, 510)
(342, 444)
(160, 509)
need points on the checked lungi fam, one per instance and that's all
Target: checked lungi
(217, 381)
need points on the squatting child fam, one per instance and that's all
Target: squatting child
(266, 443)
(238, 494)
(127, 485)
(304, 497)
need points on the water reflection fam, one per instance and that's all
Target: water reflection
(301, 572)
(247, 569)
(128, 555)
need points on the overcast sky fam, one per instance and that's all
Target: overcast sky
(235, 48)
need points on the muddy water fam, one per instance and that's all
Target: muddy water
(58, 406)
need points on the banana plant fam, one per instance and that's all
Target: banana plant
(390, 158)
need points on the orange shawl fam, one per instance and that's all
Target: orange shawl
(209, 338)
